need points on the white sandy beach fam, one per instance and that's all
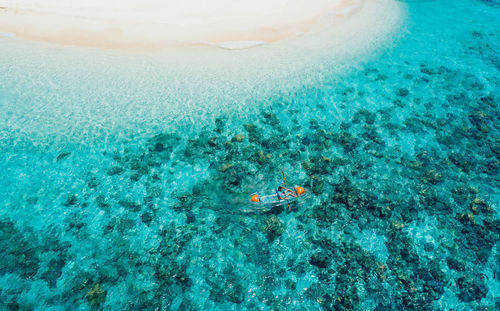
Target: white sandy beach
(151, 24)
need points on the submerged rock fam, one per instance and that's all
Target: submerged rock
(120, 224)
(320, 260)
(71, 200)
(317, 185)
(63, 155)
(190, 217)
(472, 288)
(428, 247)
(478, 206)
(348, 141)
(234, 175)
(54, 270)
(462, 161)
(381, 271)
(219, 125)
(236, 293)
(225, 167)
(434, 289)
(170, 272)
(116, 170)
(270, 118)
(102, 202)
(93, 183)
(163, 143)
(290, 284)
(466, 218)
(147, 218)
(273, 228)
(433, 177)
(455, 264)
(402, 92)
(397, 225)
(238, 138)
(185, 203)
(187, 304)
(96, 295)
(154, 191)
(254, 134)
(20, 252)
(212, 142)
(131, 205)
(227, 290)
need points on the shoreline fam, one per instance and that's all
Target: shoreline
(148, 29)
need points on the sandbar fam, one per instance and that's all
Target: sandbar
(150, 24)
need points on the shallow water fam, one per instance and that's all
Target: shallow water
(124, 184)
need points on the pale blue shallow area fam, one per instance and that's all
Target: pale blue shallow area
(124, 186)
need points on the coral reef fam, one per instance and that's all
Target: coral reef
(401, 158)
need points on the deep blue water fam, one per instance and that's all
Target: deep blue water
(112, 199)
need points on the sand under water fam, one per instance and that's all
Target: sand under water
(125, 176)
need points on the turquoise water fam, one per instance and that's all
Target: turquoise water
(124, 185)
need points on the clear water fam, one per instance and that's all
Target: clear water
(124, 187)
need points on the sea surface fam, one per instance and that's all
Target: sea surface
(125, 177)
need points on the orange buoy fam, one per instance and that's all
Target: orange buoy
(300, 190)
(255, 198)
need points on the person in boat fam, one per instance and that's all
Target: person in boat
(282, 193)
(285, 193)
